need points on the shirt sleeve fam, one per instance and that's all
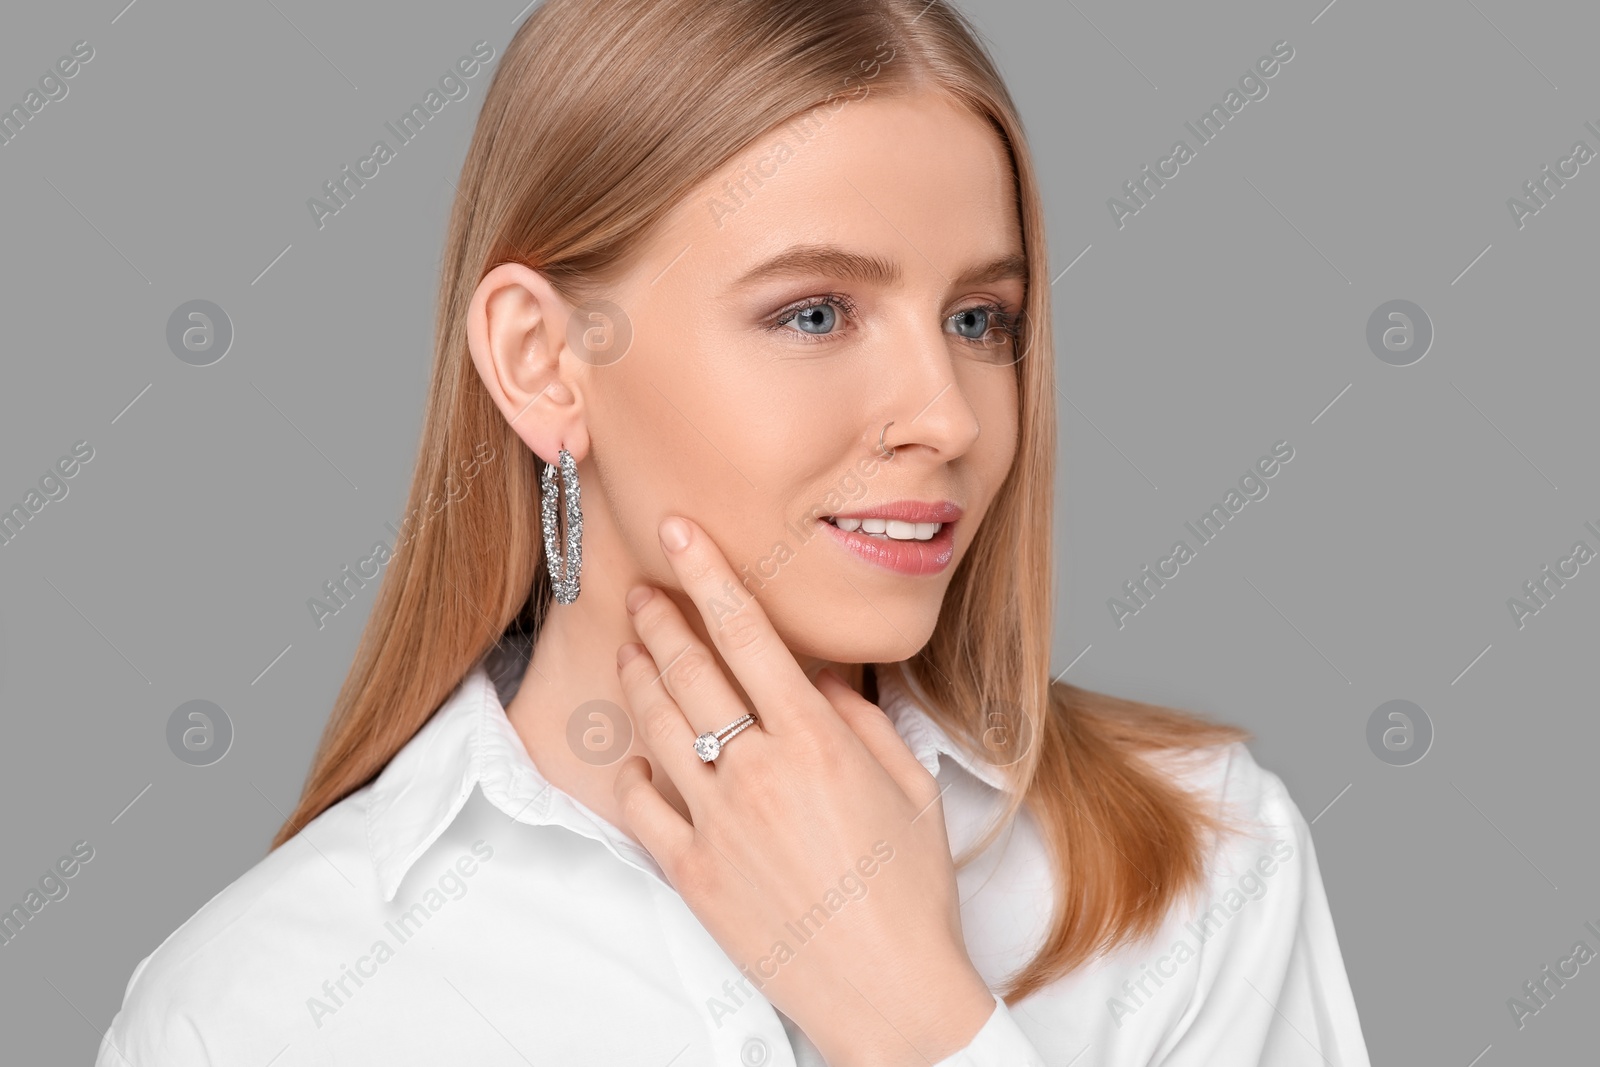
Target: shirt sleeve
(146, 1032)
(1272, 987)
(1001, 1043)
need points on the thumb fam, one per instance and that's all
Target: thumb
(870, 723)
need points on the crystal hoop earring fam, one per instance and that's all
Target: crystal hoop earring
(565, 566)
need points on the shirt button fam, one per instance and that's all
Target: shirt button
(754, 1053)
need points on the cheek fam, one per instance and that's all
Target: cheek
(731, 448)
(995, 398)
(991, 457)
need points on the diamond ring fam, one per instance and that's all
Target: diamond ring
(709, 745)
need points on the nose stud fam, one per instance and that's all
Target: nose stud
(881, 449)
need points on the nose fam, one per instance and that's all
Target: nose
(928, 409)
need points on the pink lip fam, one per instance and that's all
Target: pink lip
(903, 557)
(908, 511)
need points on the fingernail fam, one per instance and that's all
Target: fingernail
(674, 534)
(627, 652)
(637, 597)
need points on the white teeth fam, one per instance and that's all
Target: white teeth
(891, 529)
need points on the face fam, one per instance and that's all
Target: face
(823, 286)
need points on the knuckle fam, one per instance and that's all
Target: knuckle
(696, 566)
(834, 749)
(694, 877)
(649, 618)
(758, 788)
(818, 748)
(657, 724)
(927, 787)
(742, 630)
(689, 670)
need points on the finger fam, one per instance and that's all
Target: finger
(741, 631)
(660, 721)
(648, 815)
(688, 668)
(875, 730)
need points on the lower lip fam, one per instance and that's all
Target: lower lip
(902, 557)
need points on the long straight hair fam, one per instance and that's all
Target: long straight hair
(601, 116)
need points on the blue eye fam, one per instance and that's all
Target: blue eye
(988, 326)
(973, 323)
(817, 318)
(983, 325)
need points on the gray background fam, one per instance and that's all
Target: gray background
(1229, 314)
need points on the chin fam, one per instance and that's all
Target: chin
(826, 604)
(853, 632)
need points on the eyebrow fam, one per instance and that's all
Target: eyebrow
(811, 260)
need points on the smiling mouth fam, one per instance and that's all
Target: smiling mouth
(898, 542)
(888, 529)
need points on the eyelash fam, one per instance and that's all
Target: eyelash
(1000, 318)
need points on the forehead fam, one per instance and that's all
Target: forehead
(917, 180)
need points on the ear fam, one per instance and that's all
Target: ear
(516, 331)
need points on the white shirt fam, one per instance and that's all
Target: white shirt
(460, 909)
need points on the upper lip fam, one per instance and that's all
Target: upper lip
(906, 511)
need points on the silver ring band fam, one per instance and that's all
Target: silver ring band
(709, 745)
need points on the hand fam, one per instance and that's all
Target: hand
(815, 853)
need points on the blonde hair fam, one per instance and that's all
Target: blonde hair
(601, 117)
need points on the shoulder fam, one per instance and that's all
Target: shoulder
(1261, 834)
(1259, 929)
(1228, 782)
(1261, 854)
(207, 977)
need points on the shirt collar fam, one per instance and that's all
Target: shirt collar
(469, 741)
(905, 702)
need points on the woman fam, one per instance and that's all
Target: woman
(745, 304)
